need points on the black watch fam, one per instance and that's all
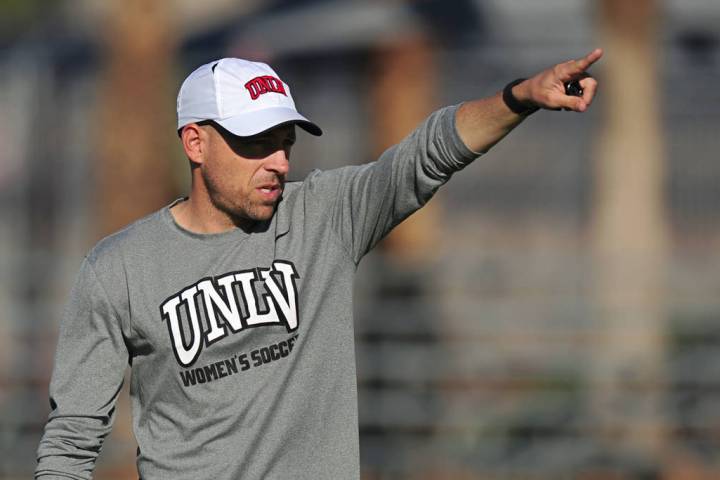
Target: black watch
(513, 103)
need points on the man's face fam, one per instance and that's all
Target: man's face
(245, 176)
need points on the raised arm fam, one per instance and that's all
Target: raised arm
(482, 123)
(366, 202)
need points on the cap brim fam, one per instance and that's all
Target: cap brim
(252, 123)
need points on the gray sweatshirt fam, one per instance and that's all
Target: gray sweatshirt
(240, 344)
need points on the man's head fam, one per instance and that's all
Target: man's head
(237, 123)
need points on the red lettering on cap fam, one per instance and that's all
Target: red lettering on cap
(267, 83)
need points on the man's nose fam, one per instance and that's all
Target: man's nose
(278, 162)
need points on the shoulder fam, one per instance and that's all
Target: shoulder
(311, 196)
(295, 191)
(141, 234)
(324, 181)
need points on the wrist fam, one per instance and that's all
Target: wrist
(516, 98)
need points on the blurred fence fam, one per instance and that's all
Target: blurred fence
(479, 362)
(491, 374)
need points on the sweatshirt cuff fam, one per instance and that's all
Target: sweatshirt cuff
(460, 150)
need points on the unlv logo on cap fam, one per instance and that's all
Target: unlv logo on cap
(267, 83)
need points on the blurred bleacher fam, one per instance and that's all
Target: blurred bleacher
(479, 362)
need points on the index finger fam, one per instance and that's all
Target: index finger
(576, 67)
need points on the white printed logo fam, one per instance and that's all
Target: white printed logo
(230, 303)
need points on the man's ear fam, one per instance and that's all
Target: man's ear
(193, 141)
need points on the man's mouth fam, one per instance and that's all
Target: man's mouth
(270, 191)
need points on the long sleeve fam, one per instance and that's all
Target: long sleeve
(90, 362)
(368, 201)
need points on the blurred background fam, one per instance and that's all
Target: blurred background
(554, 313)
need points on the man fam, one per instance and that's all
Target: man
(233, 306)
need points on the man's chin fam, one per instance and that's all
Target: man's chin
(264, 212)
(260, 213)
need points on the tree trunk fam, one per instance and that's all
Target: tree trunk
(136, 125)
(630, 234)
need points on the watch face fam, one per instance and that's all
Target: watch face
(573, 88)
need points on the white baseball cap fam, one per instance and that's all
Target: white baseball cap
(245, 98)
